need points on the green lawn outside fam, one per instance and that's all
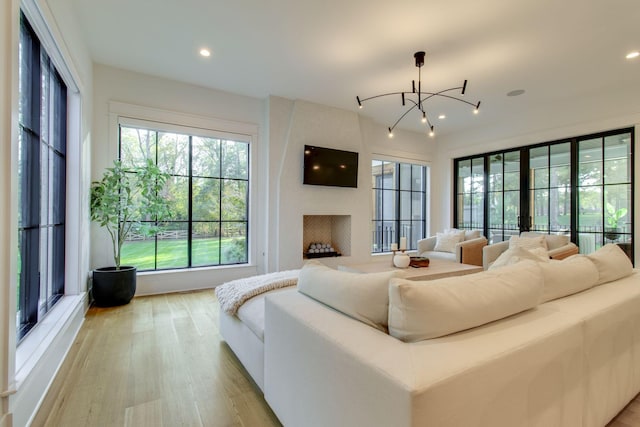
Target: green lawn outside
(172, 253)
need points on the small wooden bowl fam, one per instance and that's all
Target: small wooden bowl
(418, 261)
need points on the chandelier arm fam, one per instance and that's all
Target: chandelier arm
(379, 96)
(454, 98)
(402, 116)
(432, 94)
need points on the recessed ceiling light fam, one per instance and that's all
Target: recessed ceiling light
(205, 52)
(442, 116)
(633, 54)
(516, 92)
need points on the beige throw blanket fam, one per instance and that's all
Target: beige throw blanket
(232, 295)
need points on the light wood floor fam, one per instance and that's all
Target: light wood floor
(160, 361)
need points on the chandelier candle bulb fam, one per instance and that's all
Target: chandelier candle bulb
(394, 247)
(403, 243)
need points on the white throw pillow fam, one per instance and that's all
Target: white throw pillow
(362, 296)
(446, 242)
(568, 276)
(612, 263)
(514, 255)
(431, 309)
(528, 242)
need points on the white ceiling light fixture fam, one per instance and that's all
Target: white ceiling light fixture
(205, 52)
(632, 55)
(442, 116)
(421, 97)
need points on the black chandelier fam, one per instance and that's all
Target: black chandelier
(422, 97)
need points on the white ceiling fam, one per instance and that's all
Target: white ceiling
(563, 53)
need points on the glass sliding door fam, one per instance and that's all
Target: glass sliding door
(581, 187)
(605, 192)
(503, 195)
(549, 189)
(470, 194)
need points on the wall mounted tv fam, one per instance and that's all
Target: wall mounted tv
(326, 166)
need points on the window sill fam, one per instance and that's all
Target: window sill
(190, 279)
(195, 269)
(31, 350)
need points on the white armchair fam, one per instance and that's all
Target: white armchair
(467, 252)
(558, 246)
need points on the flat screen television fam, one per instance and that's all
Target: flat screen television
(327, 166)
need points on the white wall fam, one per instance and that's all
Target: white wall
(292, 124)
(186, 102)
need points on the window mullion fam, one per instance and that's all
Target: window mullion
(190, 204)
(398, 202)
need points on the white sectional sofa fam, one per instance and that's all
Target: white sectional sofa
(572, 360)
(552, 343)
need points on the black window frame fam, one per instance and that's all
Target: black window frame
(385, 236)
(190, 176)
(42, 122)
(524, 223)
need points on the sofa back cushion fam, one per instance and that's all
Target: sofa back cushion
(468, 234)
(362, 296)
(431, 309)
(612, 263)
(530, 242)
(553, 241)
(568, 276)
(472, 234)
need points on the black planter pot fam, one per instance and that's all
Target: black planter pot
(113, 287)
(612, 234)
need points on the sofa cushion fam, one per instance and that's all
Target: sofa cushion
(362, 296)
(612, 263)
(517, 254)
(468, 234)
(446, 242)
(447, 256)
(553, 241)
(568, 276)
(430, 309)
(528, 242)
(472, 234)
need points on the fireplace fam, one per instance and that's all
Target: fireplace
(333, 230)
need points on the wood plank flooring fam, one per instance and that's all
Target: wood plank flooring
(160, 362)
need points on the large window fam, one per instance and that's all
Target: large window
(399, 204)
(209, 193)
(580, 187)
(42, 143)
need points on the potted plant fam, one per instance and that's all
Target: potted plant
(612, 231)
(122, 201)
